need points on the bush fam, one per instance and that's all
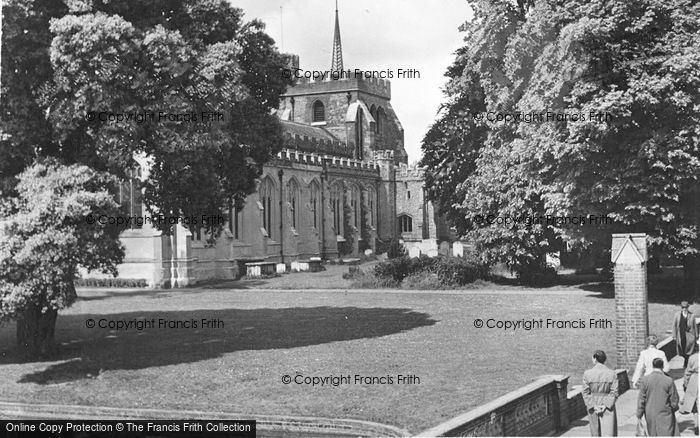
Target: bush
(445, 272)
(458, 272)
(353, 273)
(393, 249)
(421, 280)
(399, 268)
(111, 282)
(364, 280)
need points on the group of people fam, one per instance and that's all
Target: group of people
(658, 398)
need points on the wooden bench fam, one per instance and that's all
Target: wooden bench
(259, 269)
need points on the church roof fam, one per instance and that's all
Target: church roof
(315, 139)
(303, 130)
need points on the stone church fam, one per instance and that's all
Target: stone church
(340, 186)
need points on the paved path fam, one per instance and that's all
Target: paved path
(627, 410)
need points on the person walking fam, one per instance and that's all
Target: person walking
(690, 387)
(658, 402)
(685, 332)
(646, 357)
(600, 391)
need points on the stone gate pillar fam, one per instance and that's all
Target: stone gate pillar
(629, 255)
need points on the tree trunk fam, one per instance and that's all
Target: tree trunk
(35, 332)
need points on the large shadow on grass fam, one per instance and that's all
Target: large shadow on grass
(84, 353)
(217, 286)
(668, 287)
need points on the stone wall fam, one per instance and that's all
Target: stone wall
(269, 426)
(541, 408)
(411, 202)
(185, 258)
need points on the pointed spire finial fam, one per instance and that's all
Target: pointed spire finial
(337, 59)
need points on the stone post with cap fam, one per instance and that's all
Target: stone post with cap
(629, 255)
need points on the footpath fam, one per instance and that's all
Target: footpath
(627, 410)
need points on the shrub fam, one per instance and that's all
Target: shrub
(457, 272)
(353, 272)
(367, 258)
(365, 280)
(401, 267)
(421, 280)
(111, 282)
(443, 272)
(393, 248)
(396, 268)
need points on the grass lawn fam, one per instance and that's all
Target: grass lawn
(269, 334)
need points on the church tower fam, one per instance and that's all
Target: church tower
(353, 109)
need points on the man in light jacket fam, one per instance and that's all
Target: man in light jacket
(600, 390)
(646, 357)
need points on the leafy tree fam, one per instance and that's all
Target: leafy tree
(26, 67)
(169, 61)
(45, 238)
(635, 62)
(173, 66)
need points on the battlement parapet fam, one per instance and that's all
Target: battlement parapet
(350, 80)
(296, 156)
(410, 171)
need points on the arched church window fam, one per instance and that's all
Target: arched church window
(235, 220)
(355, 200)
(293, 200)
(315, 202)
(267, 199)
(337, 208)
(319, 112)
(380, 120)
(130, 195)
(370, 206)
(359, 135)
(405, 224)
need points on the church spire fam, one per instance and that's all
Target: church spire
(337, 60)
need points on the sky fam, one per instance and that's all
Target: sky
(376, 35)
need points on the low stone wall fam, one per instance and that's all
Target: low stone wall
(268, 426)
(541, 408)
(668, 346)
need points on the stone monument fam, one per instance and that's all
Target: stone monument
(629, 255)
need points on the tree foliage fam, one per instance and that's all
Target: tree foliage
(169, 58)
(185, 86)
(45, 237)
(636, 61)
